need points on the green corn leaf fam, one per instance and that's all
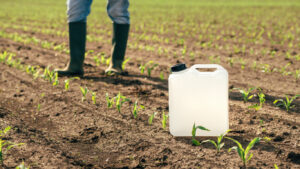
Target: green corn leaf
(251, 155)
(195, 142)
(14, 145)
(251, 144)
(6, 129)
(238, 143)
(210, 141)
(151, 118)
(221, 145)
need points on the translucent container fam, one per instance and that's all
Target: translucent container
(199, 97)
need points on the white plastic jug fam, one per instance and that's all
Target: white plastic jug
(198, 97)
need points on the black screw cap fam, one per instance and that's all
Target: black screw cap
(179, 67)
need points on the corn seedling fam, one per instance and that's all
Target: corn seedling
(110, 101)
(275, 166)
(56, 81)
(84, 92)
(120, 100)
(124, 63)
(164, 120)
(22, 166)
(244, 153)
(150, 66)
(161, 76)
(230, 61)
(262, 100)
(194, 141)
(136, 109)
(39, 105)
(246, 94)
(67, 82)
(297, 74)
(214, 59)
(48, 75)
(243, 63)
(3, 56)
(288, 103)
(254, 65)
(94, 97)
(217, 144)
(150, 120)
(97, 60)
(5, 145)
(107, 61)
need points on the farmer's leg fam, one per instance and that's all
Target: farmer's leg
(117, 10)
(77, 11)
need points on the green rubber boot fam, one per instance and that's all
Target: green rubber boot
(119, 43)
(77, 38)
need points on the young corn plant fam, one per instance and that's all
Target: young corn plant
(244, 153)
(149, 66)
(164, 120)
(110, 101)
(231, 61)
(84, 92)
(56, 81)
(150, 120)
(262, 100)
(39, 105)
(6, 145)
(194, 141)
(48, 74)
(97, 60)
(297, 74)
(246, 94)
(219, 144)
(22, 166)
(136, 109)
(3, 57)
(67, 82)
(94, 97)
(124, 63)
(161, 76)
(288, 103)
(120, 100)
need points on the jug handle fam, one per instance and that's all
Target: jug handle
(214, 66)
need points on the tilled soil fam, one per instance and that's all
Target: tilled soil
(69, 133)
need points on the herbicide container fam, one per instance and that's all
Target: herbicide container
(199, 95)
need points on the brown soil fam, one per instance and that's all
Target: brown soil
(69, 133)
